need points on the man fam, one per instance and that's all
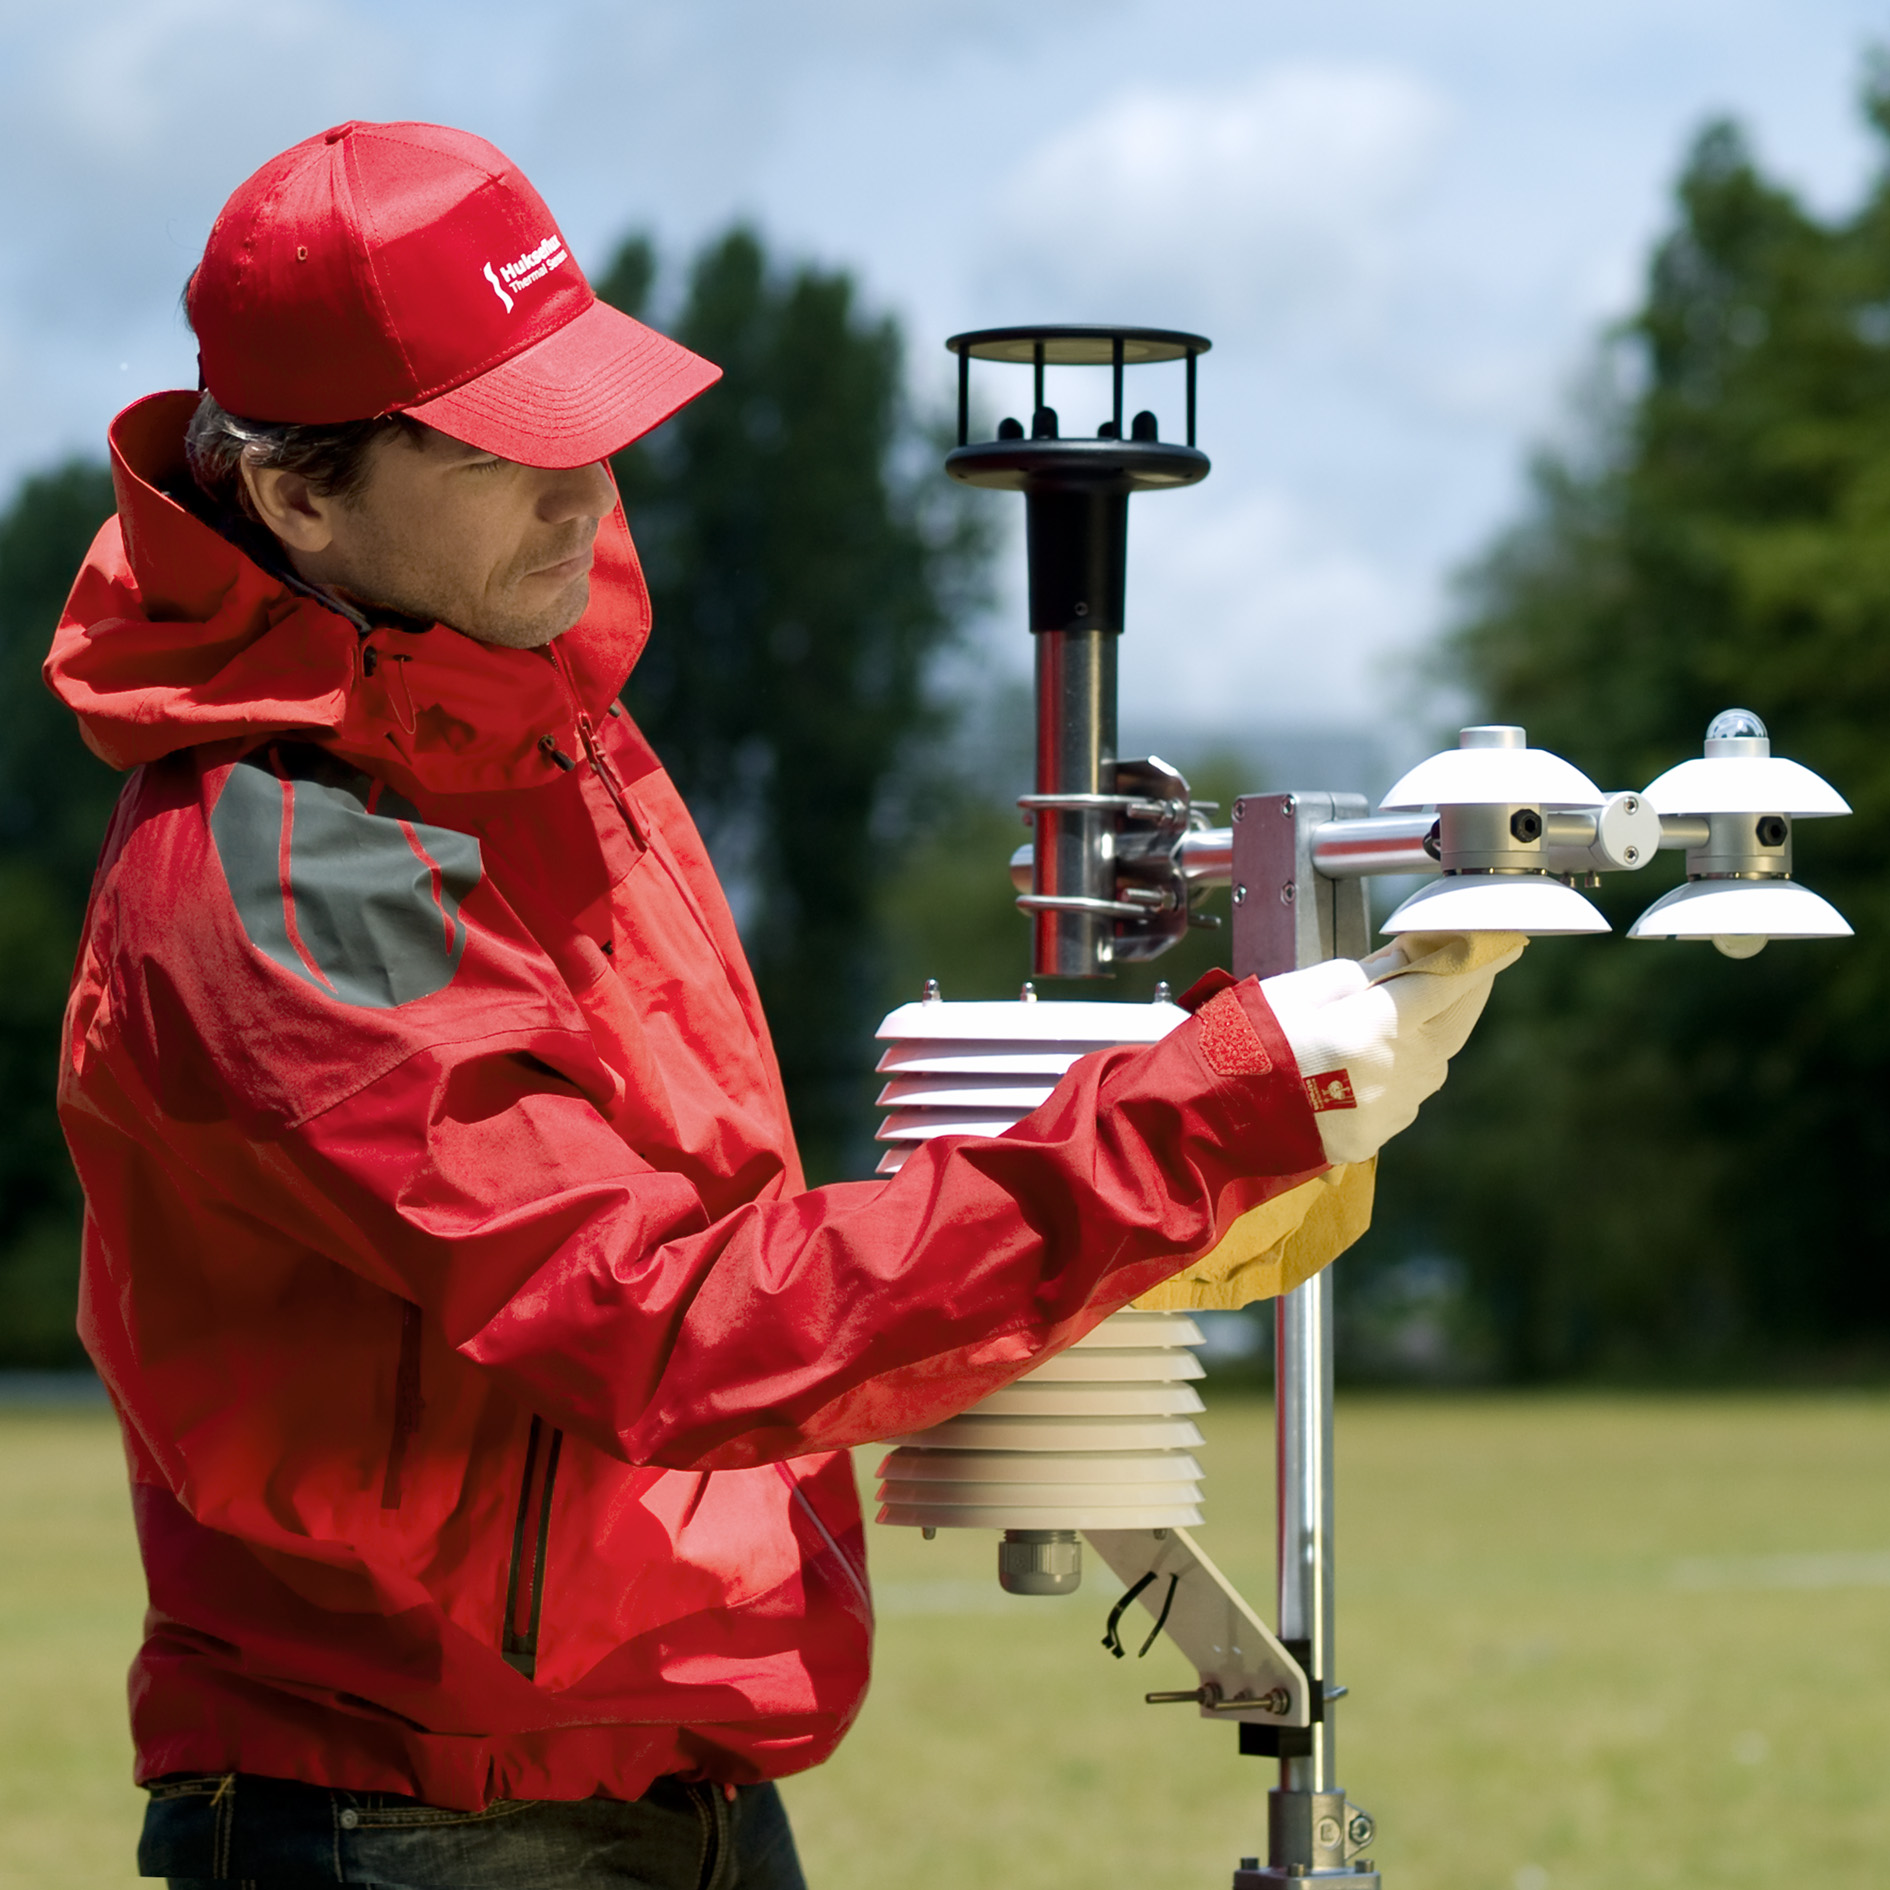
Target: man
(484, 1363)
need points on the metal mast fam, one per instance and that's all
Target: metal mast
(1076, 507)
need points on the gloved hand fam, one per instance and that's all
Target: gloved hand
(1373, 1037)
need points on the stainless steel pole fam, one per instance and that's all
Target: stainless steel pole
(1076, 755)
(1288, 914)
(1302, 1399)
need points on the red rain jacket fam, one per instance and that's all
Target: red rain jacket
(484, 1364)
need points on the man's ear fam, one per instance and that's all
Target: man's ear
(289, 506)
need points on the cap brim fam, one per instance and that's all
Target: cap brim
(581, 394)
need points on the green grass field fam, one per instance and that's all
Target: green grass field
(1591, 1642)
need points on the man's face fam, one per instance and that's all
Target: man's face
(449, 534)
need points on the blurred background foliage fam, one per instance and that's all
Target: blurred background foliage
(55, 796)
(1650, 1160)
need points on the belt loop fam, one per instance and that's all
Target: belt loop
(223, 1824)
(718, 1864)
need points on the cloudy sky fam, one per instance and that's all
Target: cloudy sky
(1402, 222)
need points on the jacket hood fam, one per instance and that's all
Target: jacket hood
(173, 636)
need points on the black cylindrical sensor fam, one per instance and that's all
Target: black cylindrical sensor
(1076, 502)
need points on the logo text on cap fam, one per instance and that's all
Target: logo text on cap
(512, 278)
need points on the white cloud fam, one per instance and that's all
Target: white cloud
(1248, 607)
(1276, 202)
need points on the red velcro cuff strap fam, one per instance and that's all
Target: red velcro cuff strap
(1228, 1039)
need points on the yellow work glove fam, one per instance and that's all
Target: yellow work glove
(1275, 1247)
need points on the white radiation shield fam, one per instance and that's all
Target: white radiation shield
(1497, 902)
(1740, 915)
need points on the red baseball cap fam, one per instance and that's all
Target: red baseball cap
(408, 268)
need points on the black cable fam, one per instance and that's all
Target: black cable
(1161, 1620)
(1111, 1638)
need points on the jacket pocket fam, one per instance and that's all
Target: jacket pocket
(525, 1582)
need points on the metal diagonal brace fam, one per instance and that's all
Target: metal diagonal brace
(1246, 1673)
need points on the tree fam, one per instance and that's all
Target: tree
(806, 564)
(55, 797)
(1653, 1158)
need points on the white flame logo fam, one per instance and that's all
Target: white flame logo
(498, 289)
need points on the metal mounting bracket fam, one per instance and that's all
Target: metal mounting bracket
(1246, 1673)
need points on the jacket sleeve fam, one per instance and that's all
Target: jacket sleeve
(502, 1200)
(451, 1145)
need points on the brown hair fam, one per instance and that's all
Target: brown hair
(333, 459)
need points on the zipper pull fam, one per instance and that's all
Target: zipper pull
(587, 735)
(548, 747)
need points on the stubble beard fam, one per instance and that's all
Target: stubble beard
(385, 579)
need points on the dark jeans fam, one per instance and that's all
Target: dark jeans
(269, 1833)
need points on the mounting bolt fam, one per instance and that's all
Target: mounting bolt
(1525, 824)
(1772, 831)
(1289, 805)
(1240, 895)
(1361, 1830)
(1288, 893)
(1208, 1693)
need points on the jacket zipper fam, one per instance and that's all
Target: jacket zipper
(525, 1584)
(408, 1403)
(594, 753)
